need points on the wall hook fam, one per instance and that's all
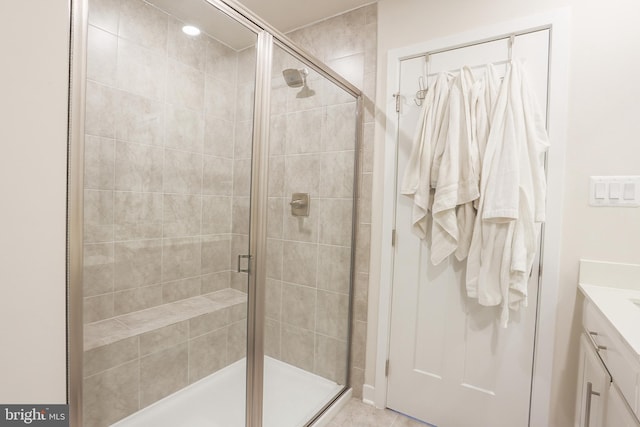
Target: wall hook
(421, 94)
(512, 39)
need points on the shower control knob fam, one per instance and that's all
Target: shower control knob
(299, 204)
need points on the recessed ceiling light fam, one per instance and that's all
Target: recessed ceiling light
(191, 30)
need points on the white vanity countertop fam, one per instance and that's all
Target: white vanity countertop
(614, 289)
(617, 305)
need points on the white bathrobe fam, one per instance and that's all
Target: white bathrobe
(484, 261)
(457, 179)
(416, 182)
(484, 98)
(535, 143)
(512, 198)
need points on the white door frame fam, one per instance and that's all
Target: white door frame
(558, 21)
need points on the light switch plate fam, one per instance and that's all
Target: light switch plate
(622, 191)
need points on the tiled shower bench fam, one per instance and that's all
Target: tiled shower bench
(135, 359)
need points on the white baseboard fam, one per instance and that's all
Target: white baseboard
(368, 394)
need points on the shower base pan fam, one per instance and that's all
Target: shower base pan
(291, 397)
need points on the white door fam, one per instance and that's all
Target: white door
(450, 362)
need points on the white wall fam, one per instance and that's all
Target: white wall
(604, 121)
(34, 39)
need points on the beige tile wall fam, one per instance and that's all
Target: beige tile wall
(167, 160)
(312, 151)
(166, 169)
(348, 44)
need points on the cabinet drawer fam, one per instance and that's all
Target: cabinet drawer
(624, 369)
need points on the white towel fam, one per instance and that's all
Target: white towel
(456, 181)
(417, 176)
(483, 102)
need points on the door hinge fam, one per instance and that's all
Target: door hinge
(393, 237)
(539, 271)
(386, 368)
(397, 97)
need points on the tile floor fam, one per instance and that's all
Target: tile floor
(358, 414)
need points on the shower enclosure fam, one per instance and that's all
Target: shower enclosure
(212, 281)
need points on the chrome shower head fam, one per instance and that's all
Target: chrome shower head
(293, 77)
(305, 92)
(298, 78)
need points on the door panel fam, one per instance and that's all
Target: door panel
(167, 212)
(446, 351)
(309, 241)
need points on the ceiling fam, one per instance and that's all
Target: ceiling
(284, 15)
(287, 15)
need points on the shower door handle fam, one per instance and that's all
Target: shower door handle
(244, 270)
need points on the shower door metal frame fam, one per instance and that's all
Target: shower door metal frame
(267, 37)
(258, 233)
(75, 210)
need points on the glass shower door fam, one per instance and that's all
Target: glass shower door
(168, 158)
(312, 148)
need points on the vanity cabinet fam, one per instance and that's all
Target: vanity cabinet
(618, 413)
(593, 387)
(609, 377)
